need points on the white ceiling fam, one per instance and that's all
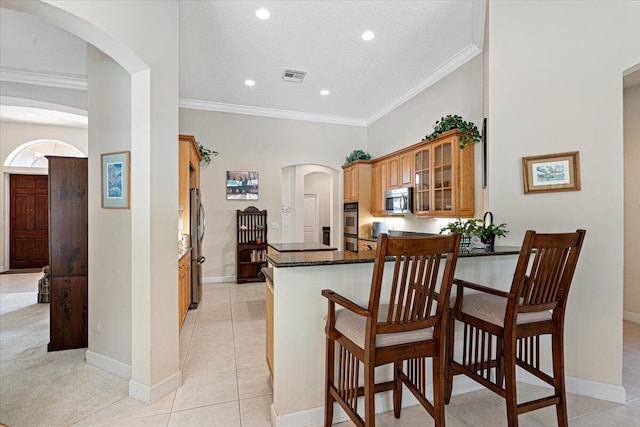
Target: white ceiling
(223, 43)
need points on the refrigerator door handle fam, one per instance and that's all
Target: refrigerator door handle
(202, 222)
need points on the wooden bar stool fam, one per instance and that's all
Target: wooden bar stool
(406, 328)
(502, 330)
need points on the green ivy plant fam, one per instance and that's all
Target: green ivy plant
(460, 226)
(476, 227)
(206, 153)
(357, 155)
(470, 132)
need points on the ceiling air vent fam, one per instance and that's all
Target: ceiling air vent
(293, 76)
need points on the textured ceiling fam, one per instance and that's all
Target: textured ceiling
(222, 44)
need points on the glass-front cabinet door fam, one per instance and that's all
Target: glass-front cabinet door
(422, 184)
(443, 177)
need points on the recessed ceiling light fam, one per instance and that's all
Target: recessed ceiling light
(368, 35)
(263, 13)
(249, 82)
(324, 92)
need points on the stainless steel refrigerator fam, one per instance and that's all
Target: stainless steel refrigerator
(197, 225)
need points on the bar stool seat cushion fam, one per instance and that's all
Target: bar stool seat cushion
(353, 326)
(491, 308)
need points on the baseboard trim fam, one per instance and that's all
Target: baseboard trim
(384, 403)
(597, 390)
(148, 394)
(631, 317)
(3, 269)
(108, 364)
(219, 279)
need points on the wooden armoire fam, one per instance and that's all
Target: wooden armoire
(68, 250)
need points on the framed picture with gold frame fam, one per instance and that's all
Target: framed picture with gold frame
(551, 172)
(115, 180)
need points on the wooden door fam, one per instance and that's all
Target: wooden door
(28, 221)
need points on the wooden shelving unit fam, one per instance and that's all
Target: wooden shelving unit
(251, 249)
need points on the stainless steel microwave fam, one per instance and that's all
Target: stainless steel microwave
(398, 201)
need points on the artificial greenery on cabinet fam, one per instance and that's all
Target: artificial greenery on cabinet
(470, 132)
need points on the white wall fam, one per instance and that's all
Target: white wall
(148, 50)
(13, 135)
(109, 270)
(555, 84)
(258, 144)
(632, 203)
(461, 92)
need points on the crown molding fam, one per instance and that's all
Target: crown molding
(42, 79)
(459, 59)
(195, 104)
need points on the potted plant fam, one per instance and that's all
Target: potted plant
(483, 230)
(465, 227)
(357, 155)
(470, 132)
(260, 228)
(487, 233)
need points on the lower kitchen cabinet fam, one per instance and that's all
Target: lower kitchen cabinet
(366, 245)
(269, 313)
(184, 287)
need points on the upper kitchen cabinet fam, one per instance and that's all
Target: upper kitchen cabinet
(357, 182)
(379, 184)
(401, 170)
(188, 176)
(444, 180)
(390, 172)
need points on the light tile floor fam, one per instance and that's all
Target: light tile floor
(225, 378)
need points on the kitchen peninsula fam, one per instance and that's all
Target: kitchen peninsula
(296, 311)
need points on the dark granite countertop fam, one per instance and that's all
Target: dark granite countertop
(300, 247)
(396, 233)
(307, 259)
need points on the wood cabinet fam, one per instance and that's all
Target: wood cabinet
(269, 316)
(405, 171)
(188, 177)
(367, 245)
(184, 287)
(441, 173)
(68, 252)
(444, 180)
(251, 249)
(389, 172)
(357, 182)
(379, 185)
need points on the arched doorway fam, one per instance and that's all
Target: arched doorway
(320, 179)
(28, 228)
